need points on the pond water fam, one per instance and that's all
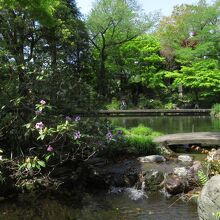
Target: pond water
(119, 204)
(171, 124)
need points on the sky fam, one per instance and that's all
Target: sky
(165, 6)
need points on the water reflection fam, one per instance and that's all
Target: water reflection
(171, 124)
(101, 206)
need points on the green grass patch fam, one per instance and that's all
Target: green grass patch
(141, 130)
(135, 141)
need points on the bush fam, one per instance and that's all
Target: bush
(145, 103)
(114, 105)
(215, 111)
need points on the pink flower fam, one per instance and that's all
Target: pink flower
(50, 148)
(77, 118)
(42, 102)
(77, 135)
(39, 125)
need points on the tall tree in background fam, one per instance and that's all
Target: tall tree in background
(190, 38)
(141, 63)
(112, 23)
(43, 59)
(40, 60)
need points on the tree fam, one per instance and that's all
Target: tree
(44, 58)
(192, 34)
(142, 63)
(41, 10)
(111, 24)
(41, 61)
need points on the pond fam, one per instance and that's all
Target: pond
(171, 124)
(119, 204)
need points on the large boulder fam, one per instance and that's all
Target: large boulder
(209, 199)
(121, 174)
(175, 184)
(153, 179)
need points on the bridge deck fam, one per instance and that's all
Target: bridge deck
(203, 138)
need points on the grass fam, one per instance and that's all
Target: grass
(135, 141)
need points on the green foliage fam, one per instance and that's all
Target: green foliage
(217, 215)
(114, 105)
(135, 141)
(140, 140)
(215, 111)
(188, 39)
(112, 24)
(201, 76)
(145, 103)
(141, 63)
(141, 130)
(32, 163)
(42, 10)
(141, 145)
(41, 60)
(170, 105)
(203, 178)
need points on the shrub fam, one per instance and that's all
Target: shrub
(215, 111)
(114, 105)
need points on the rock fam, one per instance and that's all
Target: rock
(195, 167)
(216, 156)
(122, 174)
(175, 184)
(213, 155)
(153, 179)
(180, 171)
(165, 150)
(185, 158)
(209, 199)
(152, 158)
(97, 161)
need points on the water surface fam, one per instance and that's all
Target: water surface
(124, 205)
(171, 124)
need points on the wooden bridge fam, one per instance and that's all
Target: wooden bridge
(151, 112)
(201, 138)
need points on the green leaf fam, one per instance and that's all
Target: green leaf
(28, 165)
(38, 166)
(41, 163)
(27, 125)
(22, 166)
(48, 157)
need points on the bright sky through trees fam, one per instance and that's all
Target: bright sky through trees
(165, 6)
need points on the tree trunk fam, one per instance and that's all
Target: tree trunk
(101, 79)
